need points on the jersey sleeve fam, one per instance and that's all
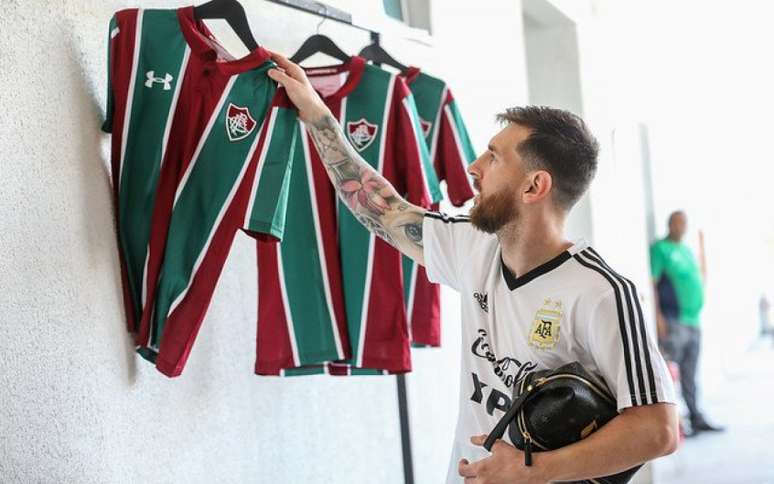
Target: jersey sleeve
(454, 152)
(427, 163)
(410, 151)
(622, 347)
(269, 196)
(107, 125)
(448, 243)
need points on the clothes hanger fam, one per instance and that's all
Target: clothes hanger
(233, 13)
(319, 43)
(376, 54)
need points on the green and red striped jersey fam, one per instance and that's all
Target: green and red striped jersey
(202, 147)
(333, 291)
(451, 152)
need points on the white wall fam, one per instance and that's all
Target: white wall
(706, 101)
(76, 403)
(554, 76)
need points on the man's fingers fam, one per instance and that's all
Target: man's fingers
(293, 69)
(465, 468)
(281, 77)
(478, 439)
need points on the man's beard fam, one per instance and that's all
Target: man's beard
(492, 213)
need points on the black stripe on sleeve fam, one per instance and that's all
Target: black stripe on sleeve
(621, 324)
(643, 329)
(446, 218)
(632, 325)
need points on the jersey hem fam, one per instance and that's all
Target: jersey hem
(267, 228)
(169, 369)
(275, 367)
(391, 365)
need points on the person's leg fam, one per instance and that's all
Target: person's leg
(669, 345)
(688, 382)
(688, 365)
(672, 350)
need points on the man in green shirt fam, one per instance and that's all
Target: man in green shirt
(679, 282)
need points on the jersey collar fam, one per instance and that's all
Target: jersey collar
(411, 74)
(204, 45)
(355, 65)
(515, 282)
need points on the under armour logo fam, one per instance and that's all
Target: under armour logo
(163, 80)
(482, 300)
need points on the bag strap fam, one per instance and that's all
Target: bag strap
(506, 419)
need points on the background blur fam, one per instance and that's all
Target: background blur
(678, 93)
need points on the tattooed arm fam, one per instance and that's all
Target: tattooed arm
(371, 198)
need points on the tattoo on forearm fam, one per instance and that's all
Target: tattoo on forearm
(367, 194)
(414, 232)
(375, 227)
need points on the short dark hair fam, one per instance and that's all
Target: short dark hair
(561, 144)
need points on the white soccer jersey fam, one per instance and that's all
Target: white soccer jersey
(571, 308)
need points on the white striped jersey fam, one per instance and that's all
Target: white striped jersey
(571, 308)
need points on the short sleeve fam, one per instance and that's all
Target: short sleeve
(454, 153)
(433, 184)
(415, 174)
(448, 243)
(623, 348)
(107, 125)
(656, 261)
(269, 195)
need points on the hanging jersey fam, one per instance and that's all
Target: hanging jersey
(574, 307)
(445, 133)
(451, 151)
(228, 137)
(143, 90)
(301, 317)
(349, 308)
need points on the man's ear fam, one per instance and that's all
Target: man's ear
(539, 184)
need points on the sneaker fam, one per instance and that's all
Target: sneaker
(702, 426)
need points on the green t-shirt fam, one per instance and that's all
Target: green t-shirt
(680, 288)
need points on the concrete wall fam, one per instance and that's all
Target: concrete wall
(76, 404)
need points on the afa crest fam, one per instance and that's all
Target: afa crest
(544, 334)
(361, 133)
(239, 123)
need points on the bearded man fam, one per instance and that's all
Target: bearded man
(530, 298)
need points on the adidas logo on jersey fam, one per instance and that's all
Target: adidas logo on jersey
(239, 123)
(482, 300)
(152, 79)
(361, 133)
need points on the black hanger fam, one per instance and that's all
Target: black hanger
(322, 44)
(233, 13)
(376, 54)
(319, 43)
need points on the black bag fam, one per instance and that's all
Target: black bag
(555, 408)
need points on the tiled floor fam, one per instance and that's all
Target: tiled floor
(744, 453)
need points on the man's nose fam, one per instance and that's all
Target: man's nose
(473, 169)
